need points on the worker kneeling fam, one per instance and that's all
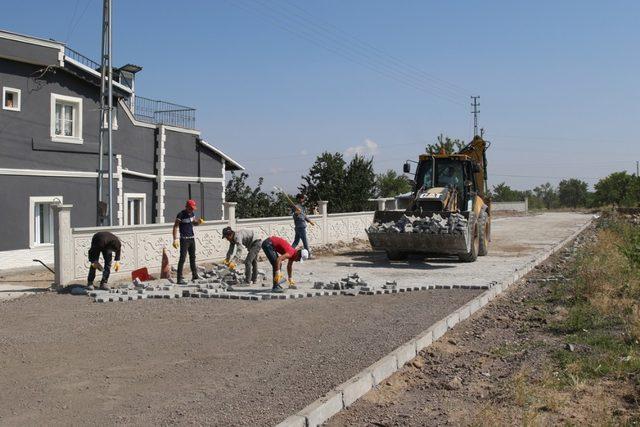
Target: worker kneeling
(104, 243)
(277, 250)
(247, 239)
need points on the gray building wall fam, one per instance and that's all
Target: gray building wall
(178, 193)
(30, 53)
(14, 199)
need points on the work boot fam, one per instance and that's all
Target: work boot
(90, 286)
(104, 287)
(194, 278)
(277, 289)
(181, 281)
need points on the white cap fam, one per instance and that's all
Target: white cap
(304, 255)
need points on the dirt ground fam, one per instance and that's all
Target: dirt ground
(65, 360)
(494, 369)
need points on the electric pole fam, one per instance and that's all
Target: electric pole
(475, 104)
(106, 105)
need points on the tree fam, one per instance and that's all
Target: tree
(572, 193)
(360, 183)
(547, 194)
(253, 202)
(503, 193)
(447, 144)
(390, 184)
(619, 188)
(326, 181)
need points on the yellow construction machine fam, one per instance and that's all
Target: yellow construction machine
(448, 212)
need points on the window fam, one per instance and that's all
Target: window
(11, 99)
(135, 212)
(66, 119)
(41, 220)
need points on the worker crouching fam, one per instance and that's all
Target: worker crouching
(277, 250)
(107, 244)
(243, 238)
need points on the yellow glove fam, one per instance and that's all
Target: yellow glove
(96, 265)
(278, 278)
(231, 265)
(201, 221)
(225, 262)
(291, 282)
(176, 243)
(116, 266)
(312, 223)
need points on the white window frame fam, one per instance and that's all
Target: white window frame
(15, 91)
(33, 200)
(77, 122)
(143, 210)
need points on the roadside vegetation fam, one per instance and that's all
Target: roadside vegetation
(589, 370)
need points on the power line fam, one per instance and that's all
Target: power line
(367, 46)
(73, 27)
(343, 50)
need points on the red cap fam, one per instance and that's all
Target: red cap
(191, 204)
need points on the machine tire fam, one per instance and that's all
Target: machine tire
(483, 233)
(475, 246)
(396, 256)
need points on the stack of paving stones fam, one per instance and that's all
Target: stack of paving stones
(436, 224)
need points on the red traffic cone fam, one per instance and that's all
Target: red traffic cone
(165, 269)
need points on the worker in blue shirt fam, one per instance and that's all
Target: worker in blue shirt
(300, 221)
(185, 220)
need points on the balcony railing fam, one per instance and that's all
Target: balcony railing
(162, 112)
(77, 56)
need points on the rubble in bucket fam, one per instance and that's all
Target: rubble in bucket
(436, 224)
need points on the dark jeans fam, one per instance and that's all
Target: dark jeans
(301, 234)
(271, 253)
(187, 245)
(251, 262)
(94, 256)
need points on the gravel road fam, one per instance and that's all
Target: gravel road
(66, 360)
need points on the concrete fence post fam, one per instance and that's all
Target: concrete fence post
(230, 213)
(526, 205)
(63, 245)
(322, 207)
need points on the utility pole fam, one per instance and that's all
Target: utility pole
(106, 105)
(475, 104)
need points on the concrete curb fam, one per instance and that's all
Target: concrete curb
(351, 390)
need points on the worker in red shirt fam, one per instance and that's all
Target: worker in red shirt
(277, 250)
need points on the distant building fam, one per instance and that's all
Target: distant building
(49, 148)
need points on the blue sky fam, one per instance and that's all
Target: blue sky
(277, 82)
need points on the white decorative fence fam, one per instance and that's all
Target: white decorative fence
(142, 244)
